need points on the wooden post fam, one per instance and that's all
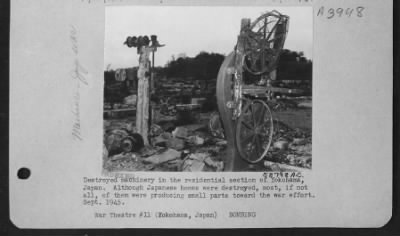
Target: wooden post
(142, 109)
(145, 76)
(151, 87)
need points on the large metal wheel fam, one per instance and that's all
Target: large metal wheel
(264, 40)
(254, 130)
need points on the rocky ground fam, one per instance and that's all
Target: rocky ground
(176, 146)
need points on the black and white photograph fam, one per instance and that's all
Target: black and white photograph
(188, 89)
(174, 114)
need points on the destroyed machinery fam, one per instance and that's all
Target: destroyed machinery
(244, 86)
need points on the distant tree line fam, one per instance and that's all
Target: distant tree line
(204, 66)
(292, 65)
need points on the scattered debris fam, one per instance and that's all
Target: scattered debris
(123, 156)
(168, 155)
(175, 143)
(195, 147)
(291, 159)
(305, 104)
(304, 161)
(299, 141)
(215, 126)
(125, 162)
(218, 165)
(281, 145)
(155, 130)
(198, 156)
(148, 151)
(113, 140)
(222, 143)
(196, 127)
(195, 140)
(194, 162)
(282, 104)
(304, 150)
(201, 161)
(175, 165)
(272, 166)
(168, 126)
(161, 140)
(193, 166)
(131, 100)
(180, 132)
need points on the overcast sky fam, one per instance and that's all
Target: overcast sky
(190, 30)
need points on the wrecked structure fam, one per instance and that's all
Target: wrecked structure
(244, 83)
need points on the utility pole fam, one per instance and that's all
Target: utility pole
(144, 74)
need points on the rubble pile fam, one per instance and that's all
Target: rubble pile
(193, 148)
(201, 145)
(282, 104)
(184, 148)
(290, 146)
